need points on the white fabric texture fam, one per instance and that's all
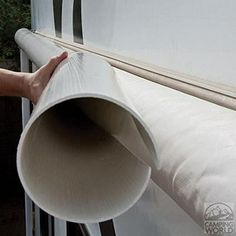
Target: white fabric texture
(156, 214)
(196, 144)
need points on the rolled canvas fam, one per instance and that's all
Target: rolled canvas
(190, 144)
(84, 155)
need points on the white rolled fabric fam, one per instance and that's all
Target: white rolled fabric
(82, 156)
(195, 141)
(190, 144)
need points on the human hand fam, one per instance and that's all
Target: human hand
(37, 81)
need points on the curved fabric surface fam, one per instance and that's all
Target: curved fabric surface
(195, 141)
(157, 214)
(82, 154)
(196, 144)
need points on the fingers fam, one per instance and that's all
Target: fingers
(53, 63)
(40, 78)
(62, 56)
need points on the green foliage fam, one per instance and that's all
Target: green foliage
(14, 14)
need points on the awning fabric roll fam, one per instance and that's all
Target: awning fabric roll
(195, 141)
(84, 155)
(189, 144)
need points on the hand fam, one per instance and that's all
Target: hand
(37, 81)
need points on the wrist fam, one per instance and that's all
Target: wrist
(25, 85)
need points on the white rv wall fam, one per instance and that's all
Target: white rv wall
(42, 16)
(190, 37)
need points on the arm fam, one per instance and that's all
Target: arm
(29, 85)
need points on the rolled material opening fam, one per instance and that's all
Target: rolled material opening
(77, 169)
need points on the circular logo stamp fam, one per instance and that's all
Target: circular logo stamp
(218, 218)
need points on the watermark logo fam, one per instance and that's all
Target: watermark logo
(219, 218)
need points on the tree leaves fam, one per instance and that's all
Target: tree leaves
(14, 14)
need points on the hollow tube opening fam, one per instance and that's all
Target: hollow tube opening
(79, 170)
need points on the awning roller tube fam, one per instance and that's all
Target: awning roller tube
(85, 155)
